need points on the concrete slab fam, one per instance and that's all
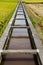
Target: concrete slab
(20, 6)
(29, 61)
(19, 22)
(20, 17)
(20, 10)
(20, 43)
(21, 13)
(41, 55)
(25, 56)
(20, 32)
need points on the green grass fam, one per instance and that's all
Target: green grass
(6, 11)
(33, 22)
(32, 0)
(9, 0)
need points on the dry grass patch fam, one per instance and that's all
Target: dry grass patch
(35, 12)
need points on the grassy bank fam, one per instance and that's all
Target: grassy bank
(35, 12)
(6, 10)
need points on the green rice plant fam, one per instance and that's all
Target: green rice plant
(6, 11)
